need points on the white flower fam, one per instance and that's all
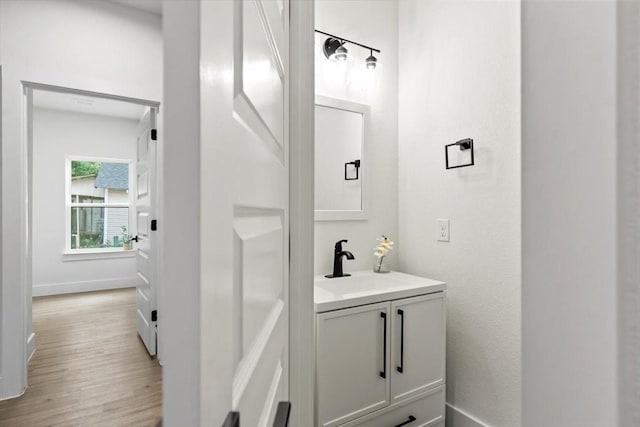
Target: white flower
(384, 247)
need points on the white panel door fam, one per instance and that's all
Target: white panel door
(146, 289)
(244, 209)
(418, 345)
(352, 377)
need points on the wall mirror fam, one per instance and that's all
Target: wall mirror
(341, 133)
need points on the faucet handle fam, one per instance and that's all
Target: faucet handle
(339, 243)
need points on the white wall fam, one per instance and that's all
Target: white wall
(459, 68)
(96, 46)
(56, 135)
(374, 24)
(580, 207)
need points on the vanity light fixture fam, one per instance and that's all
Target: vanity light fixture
(334, 49)
(371, 61)
(330, 46)
(341, 53)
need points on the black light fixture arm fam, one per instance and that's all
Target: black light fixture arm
(343, 40)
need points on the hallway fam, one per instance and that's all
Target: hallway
(90, 368)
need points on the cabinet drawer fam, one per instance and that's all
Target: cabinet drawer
(426, 410)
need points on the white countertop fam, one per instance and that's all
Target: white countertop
(367, 287)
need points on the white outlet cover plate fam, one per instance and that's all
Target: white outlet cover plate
(443, 230)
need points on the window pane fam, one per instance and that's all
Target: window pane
(93, 182)
(99, 227)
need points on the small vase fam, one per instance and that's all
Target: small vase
(381, 265)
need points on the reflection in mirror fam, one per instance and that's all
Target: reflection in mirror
(338, 150)
(340, 129)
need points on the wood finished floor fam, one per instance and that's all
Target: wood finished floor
(90, 368)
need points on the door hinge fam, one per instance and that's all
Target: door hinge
(154, 315)
(154, 134)
(154, 225)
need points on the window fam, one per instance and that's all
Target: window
(97, 204)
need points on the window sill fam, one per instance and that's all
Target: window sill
(91, 255)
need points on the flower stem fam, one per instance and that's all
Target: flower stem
(380, 266)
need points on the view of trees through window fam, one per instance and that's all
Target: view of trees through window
(99, 204)
(84, 168)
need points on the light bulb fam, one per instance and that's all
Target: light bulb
(341, 54)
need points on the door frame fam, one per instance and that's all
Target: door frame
(628, 227)
(26, 194)
(301, 213)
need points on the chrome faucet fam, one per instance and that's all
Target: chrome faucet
(338, 253)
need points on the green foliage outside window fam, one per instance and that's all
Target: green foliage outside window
(79, 168)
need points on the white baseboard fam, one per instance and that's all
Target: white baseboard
(31, 346)
(83, 286)
(458, 418)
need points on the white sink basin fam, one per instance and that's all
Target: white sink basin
(367, 287)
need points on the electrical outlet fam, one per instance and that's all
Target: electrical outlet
(443, 230)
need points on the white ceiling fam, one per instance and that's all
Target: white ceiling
(86, 105)
(152, 6)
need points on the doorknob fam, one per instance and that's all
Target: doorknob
(232, 420)
(134, 239)
(282, 415)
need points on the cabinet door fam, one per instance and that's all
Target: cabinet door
(418, 345)
(352, 363)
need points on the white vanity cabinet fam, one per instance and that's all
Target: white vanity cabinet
(418, 343)
(352, 362)
(382, 364)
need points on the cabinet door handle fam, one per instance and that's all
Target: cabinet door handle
(410, 420)
(383, 373)
(401, 367)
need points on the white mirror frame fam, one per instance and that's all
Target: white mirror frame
(346, 215)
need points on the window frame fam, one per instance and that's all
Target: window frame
(69, 205)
